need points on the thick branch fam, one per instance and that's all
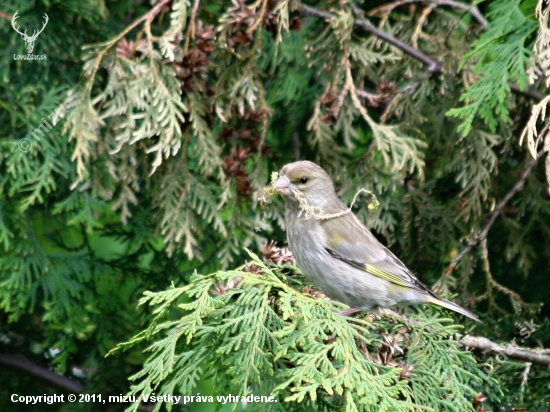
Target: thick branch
(518, 186)
(484, 344)
(22, 364)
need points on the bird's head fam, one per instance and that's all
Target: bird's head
(307, 180)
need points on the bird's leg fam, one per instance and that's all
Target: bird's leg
(396, 316)
(349, 312)
(382, 311)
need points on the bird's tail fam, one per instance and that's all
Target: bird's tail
(454, 307)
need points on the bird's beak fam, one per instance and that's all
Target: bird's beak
(282, 186)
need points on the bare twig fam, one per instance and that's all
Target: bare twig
(433, 65)
(417, 33)
(525, 373)
(515, 298)
(484, 344)
(260, 17)
(366, 25)
(340, 100)
(473, 10)
(192, 26)
(518, 186)
(22, 364)
(533, 94)
(149, 16)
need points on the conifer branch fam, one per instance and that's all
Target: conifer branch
(22, 364)
(492, 284)
(473, 10)
(433, 65)
(147, 17)
(365, 24)
(518, 186)
(192, 26)
(484, 344)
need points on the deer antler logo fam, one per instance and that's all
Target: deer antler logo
(29, 40)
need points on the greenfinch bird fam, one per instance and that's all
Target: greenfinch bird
(338, 254)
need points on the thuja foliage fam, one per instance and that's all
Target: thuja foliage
(253, 332)
(505, 52)
(177, 113)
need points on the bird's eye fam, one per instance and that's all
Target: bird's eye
(304, 180)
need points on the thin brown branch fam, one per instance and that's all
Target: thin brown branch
(518, 186)
(5, 16)
(22, 364)
(436, 67)
(366, 25)
(473, 10)
(192, 26)
(511, 351)
(149, 16)
(532, 94)
(433, 65)
(525, 373)
(260, 17)
(515, 298)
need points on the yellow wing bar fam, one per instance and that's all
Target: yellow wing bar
(390, 277)
(376, 271)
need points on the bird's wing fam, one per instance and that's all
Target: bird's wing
(349, 241)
